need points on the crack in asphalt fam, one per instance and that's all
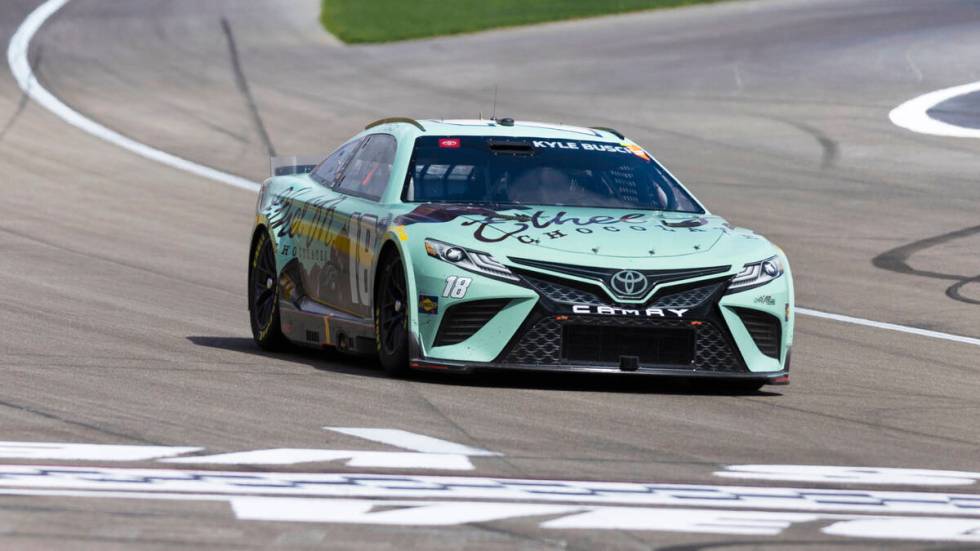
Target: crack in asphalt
(868, 424)
(89, 426)
(830, 150)
(452, 422)
(896, 260)
(244, 88)
(25, 98)
(102, 258)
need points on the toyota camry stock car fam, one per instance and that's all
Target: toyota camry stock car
(462, 245)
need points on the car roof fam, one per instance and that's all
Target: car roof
(500, 127)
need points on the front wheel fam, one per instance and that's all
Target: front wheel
(391, 316)
(263, 295)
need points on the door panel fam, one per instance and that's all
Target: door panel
(349, 222)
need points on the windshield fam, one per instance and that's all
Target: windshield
(545, 172)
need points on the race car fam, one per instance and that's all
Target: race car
(464, 245)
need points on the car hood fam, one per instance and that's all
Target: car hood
(557, 232)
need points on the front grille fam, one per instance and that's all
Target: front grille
(606, 344)
(691, 297)
(461, 321)
(606, 275)
(765, 329)
(565, 294)
(541, 344)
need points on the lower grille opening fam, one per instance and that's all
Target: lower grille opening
(462, 321)
(765, 329)
(605, 344)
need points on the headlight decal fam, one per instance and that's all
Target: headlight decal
(756, 274)
(467, 259)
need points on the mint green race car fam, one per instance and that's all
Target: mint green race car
(464, 245)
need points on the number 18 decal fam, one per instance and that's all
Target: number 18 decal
(362, 237)
(456, 286)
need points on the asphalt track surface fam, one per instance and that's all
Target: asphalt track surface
(122, 281)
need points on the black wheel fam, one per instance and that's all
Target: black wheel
(391, 316)
(263, 295)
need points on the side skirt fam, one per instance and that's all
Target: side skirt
(317, 326)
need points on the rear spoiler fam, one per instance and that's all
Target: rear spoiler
(295, 164)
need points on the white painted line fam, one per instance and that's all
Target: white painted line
(454, 513)
(890, 326)
(698, 521)
(112, 495)
(411, 441)
(87, 452)
(17, 57)
(914, 114)
(927, 529)
(580, 517)
(398, 513)
(374, 459)
(403, 486)
(850, 475)
(426, 453)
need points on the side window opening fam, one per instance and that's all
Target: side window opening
(326, 172)
(369, 170)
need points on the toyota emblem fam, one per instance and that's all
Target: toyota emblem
(629, 283)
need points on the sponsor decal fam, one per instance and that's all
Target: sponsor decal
(631, 312)
(292, 214)
(637, 150)
(428, 304)
(400, 232)
(765, 299)
(498, 227)
(492, 226)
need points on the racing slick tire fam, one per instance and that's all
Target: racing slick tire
(263, 295)
(391, 315)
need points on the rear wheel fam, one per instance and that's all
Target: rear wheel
(263, 295)
(391, 316)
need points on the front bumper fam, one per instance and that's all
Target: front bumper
(530, 332)
(773, 378)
